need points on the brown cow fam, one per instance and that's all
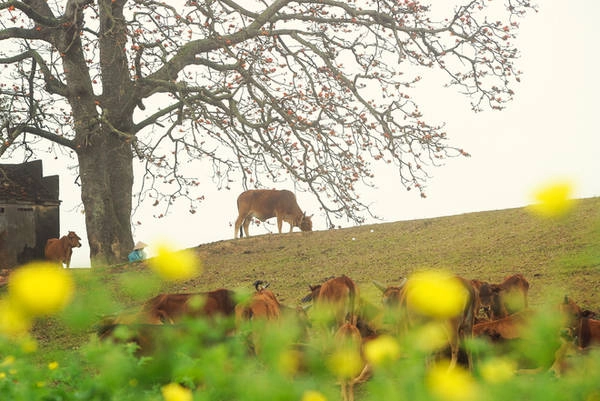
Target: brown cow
(263, 304)
(338, 296)
(60, 250)
(459, 327)
(171, 308)
(506, 328)
(266, 203)
(584, 329)
(501, 300)
(348, 339)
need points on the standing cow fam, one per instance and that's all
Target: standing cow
(60, 250)
(266, 203)
(458, 328)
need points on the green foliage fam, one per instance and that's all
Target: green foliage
(224, 360)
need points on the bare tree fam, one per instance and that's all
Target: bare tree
(314, 91)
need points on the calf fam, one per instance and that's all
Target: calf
(171, 308)
(266, 203)
(506, 328)
(60, 250)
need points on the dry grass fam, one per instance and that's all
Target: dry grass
(558, 257)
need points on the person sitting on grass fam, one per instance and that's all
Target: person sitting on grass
(138, 252)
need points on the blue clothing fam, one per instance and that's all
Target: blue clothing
(136, 254)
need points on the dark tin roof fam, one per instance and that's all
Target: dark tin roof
(24, 183)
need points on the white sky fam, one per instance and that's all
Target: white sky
(550, 131)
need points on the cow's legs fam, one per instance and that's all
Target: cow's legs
(279, 223)
(247, 222)
(238, 225)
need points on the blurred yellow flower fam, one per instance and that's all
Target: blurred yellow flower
(553, 200)
(289, 362)
(435, 293)
(29, 345)
(175, 265)
(40, 288)
(345, 363)
(176, 392)
(53, 365)
(381, 350)
(8, 360)
(455, 384)
(498, 370)
(13, 322)
(312, 395)
(2, 375)
(431, 336)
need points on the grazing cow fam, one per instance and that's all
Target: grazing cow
(171, 308)
(338, 296)
(263, 304)
(266, 203)
(459, 328)
(144, 336)
(60, 250)
(500, 300)
(584, 329)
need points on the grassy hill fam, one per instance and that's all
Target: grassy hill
(557, 256)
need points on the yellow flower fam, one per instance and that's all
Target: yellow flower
(2, 375)
(451, 384)
(175, 265)
(312, 395)
(13, 322)
(289, 362)
(553, 200)
(176, 392)
(431, 336)
(436, 294)
(498, 370)
(7, 361)
(382, 349)
(29, 345)
(53, 365)
(40, 288)
(345, 363)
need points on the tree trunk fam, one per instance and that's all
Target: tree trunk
(106, 172)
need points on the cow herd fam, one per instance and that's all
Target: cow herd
(494, 312)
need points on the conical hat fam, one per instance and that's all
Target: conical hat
(139, 245)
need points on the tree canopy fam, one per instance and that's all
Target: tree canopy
(313, 91)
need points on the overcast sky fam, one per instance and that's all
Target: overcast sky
(548, 132)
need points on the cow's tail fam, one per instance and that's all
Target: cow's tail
(353, 304)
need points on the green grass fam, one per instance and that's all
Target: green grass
(558, 256)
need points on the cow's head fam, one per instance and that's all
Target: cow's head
(314, 293)
(571, 311)
(305, 222)
(74, 239)
(391, 294)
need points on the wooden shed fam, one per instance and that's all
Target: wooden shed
(29, 212)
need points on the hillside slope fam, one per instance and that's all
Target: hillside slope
(558, 256)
